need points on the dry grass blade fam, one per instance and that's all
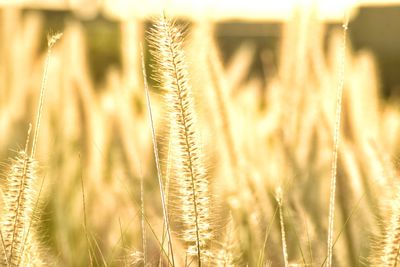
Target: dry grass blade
(158, 165)
(90, 249)
(353, 211)
(261, 257)
(168, 172)
(143, 225)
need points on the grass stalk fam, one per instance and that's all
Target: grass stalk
(282, 224)
(336, 140)
(52, 39)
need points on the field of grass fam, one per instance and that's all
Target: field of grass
(181, 159)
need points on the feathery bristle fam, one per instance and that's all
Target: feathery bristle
(228, 253)
(386, 247)
(192, 193)
(19, 212)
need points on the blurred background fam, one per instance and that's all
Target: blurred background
(372, 25)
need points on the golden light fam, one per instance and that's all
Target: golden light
(264, 10)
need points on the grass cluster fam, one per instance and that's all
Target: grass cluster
(204, 166)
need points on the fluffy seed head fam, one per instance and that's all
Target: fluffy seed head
(191, 184)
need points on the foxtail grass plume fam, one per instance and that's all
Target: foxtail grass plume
(20, 192)
(386, 246)
(190, 180)
(17, 222)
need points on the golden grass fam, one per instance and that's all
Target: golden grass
(224, 141)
